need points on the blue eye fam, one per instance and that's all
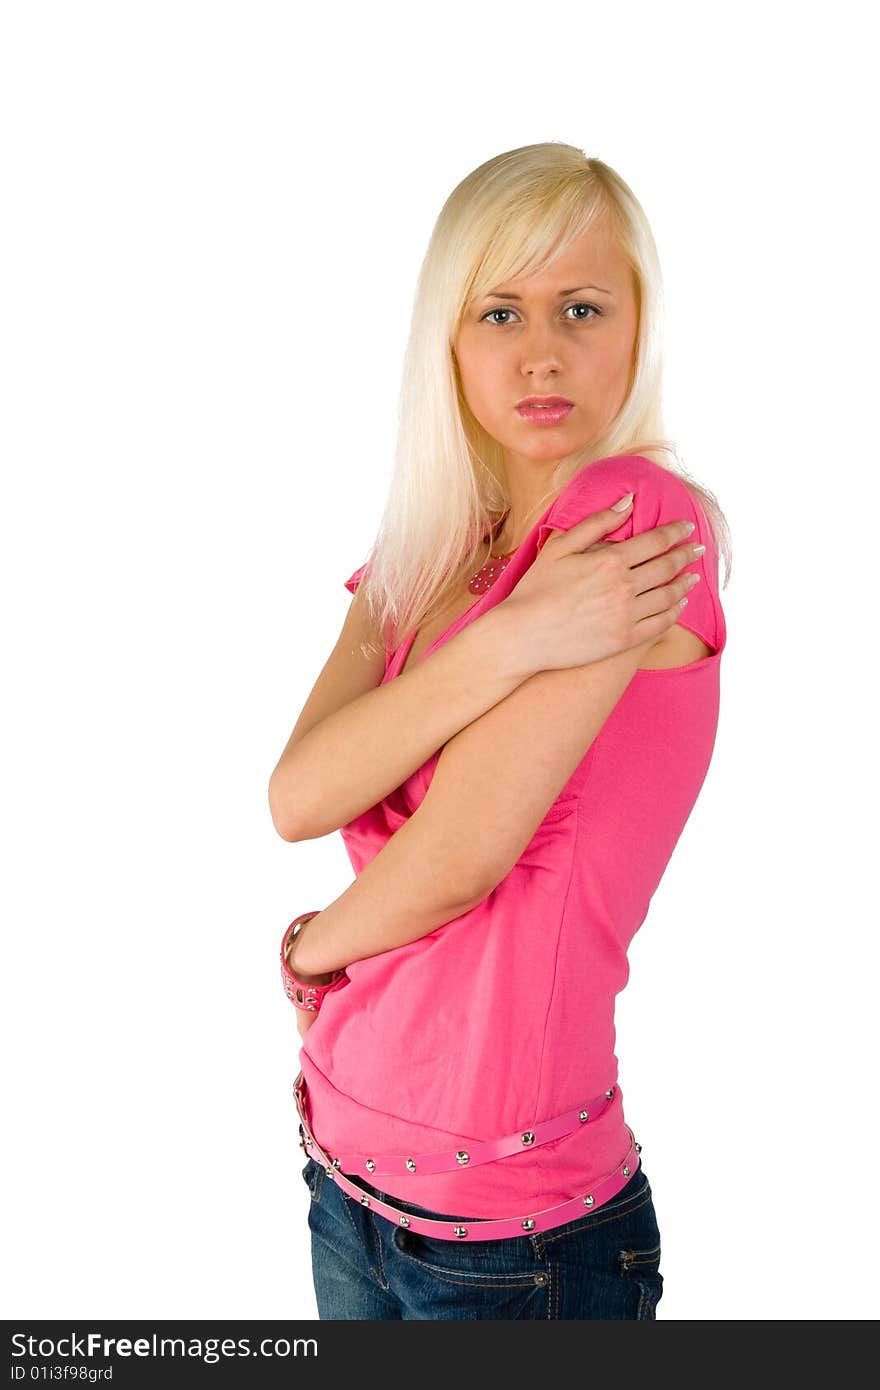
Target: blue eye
(581, 318)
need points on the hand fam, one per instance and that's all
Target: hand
(584, 599)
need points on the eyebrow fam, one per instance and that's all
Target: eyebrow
(597, 288)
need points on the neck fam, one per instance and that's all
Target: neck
(511, 533)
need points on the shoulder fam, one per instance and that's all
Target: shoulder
(656, 492)
(659, 496)
(362, 624)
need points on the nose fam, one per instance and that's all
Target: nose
(538, 353)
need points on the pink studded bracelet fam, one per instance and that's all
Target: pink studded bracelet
(307, 998)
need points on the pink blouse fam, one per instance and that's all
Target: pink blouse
(504, 1017)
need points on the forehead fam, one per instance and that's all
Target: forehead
(594, 257)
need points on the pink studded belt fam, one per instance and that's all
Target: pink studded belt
(484, 1152)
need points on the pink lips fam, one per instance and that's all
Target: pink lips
(545, 400)
(551, 411)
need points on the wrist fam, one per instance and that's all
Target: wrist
(298, 961)
(294, 957)
(504, 632)
(304, 990)
(306, 979)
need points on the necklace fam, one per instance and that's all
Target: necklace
(495, 565)
(486, 576)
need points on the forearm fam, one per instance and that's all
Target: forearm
(357, 755)
(409, 889)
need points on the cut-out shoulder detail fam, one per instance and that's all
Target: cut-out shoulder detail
(676, 649)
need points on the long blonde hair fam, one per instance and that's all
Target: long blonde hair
(510, 217)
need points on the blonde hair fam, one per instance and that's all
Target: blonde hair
(510, 217)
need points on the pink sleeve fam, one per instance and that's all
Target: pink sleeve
(352, 583)
(660, 496)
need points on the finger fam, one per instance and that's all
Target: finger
(648, 544)
(665, 600)
(583, 533)
(665, 567)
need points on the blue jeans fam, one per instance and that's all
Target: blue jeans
(603, 1265)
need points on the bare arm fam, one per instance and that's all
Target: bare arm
(357, 740)
(352, 746)
(411, 887)
(440, 863)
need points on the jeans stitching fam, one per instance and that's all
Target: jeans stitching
(381, 1277)
(377, 1241)
(484, 1281)
(491, 1280)
(649, 1287)
(590, 1223)
(345, 1201)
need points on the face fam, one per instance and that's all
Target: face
(531, 339)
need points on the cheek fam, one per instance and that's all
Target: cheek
(479, 374)
(610, 367)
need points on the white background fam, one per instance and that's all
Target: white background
(214, 215)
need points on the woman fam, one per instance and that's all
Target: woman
(511, 733)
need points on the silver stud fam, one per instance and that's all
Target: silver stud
(404, 1221)
(626, 1170)
(410, 1163)
(460, 1231)
(584, 1115)
(528, 1137)
(336, 1163)
(365, 1201)
(329, 1172)
(610, 1092)
(638, 1148)
(588, 1201)
(462, 1156)
(528, 1224)
(371, 1166)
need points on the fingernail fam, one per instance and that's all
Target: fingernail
(624, 502)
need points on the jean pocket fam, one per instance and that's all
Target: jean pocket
(615, 1251)
(512, 1262)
